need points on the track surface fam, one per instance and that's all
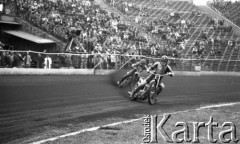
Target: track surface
(30, 102)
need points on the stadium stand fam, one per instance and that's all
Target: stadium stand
(178, 29)
(229, 9)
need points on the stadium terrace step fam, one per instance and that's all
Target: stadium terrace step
(216, 15)
(103, 5)
(29, 28)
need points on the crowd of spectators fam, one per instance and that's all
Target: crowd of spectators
(128, 7)
(215, 46)
(174, 34)
(11, 59)
(58, 17)
(87, 29)
(220, 25)
(229, 9)
(133, 6)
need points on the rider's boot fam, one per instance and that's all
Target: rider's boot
(160, 88)
(118, 82)
(136, 90)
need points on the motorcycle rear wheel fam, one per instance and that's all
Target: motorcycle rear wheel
(125, 82)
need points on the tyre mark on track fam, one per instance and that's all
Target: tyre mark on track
(32, 113)
(52, 115)
(83, 96)
(71, 115)
(34, 109)
(60, 102)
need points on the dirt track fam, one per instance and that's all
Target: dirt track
(31, 102)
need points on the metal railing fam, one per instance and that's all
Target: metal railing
(19, 59)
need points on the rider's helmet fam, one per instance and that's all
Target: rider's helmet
(143, 62)
(164, 59)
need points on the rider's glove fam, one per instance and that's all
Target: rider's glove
(148, 70)
(170, 74)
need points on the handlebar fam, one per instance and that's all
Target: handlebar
(158, 74)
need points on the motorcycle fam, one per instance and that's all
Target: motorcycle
(131, 80)
(149, 91)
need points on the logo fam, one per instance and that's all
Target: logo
(154, 130)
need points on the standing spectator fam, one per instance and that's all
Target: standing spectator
(17, 60)
(40, 61)
(9, 59)
(27, 60)
(96, 58)
(3, 59)
(56, 61)
(62, 60)
(68, 60)
(47, 62)
(107, 58)
(1, 45)
(1, 7)
(76, 61)
(90, 60)
(84, 61)
(114, 58)
(153, 50)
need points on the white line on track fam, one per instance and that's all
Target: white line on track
(128, 121)
(219, 105)
(84, 130)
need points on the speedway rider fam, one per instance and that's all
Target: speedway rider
(139, 66)
(161, 68)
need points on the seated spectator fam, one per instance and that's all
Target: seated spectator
(238, 44)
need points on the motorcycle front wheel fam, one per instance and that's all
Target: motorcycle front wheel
(133, 88)
(152, 95)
